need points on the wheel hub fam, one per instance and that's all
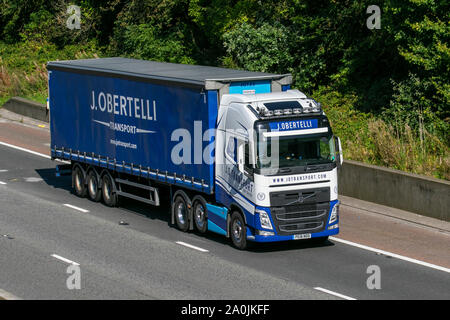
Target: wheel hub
(200, 216)
(181, 211)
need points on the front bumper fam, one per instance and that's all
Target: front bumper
(328, 230)
(275, 238)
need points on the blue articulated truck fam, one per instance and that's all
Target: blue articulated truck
(236, 152)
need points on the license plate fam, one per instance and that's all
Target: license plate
(302, 236)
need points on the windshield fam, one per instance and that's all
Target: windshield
(294, 151)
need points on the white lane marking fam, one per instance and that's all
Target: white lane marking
(3, 170)
(334, 293)
(65, 260)
(394, 255)
(8, 296)
(26, 150)
(1, 182)
(76, 208)
(191, 246)
(33, 179)
(29, 151)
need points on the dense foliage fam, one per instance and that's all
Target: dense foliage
(390, 83)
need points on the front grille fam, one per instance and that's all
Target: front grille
(300, 218)
(302, 227)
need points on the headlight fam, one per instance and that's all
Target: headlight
(264, 219)
(334, 214)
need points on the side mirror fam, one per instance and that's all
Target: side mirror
(339, 155)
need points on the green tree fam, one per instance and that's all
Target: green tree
(264, 48)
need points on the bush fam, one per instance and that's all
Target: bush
(23, 69)
(372, 140)
(410, 106)
(142, 41)
(264, 48)
(402, 150)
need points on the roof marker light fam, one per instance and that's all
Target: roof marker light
(278, 112)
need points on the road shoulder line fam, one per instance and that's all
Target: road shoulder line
(393, 255)
(336, 294)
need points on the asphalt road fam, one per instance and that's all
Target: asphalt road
(143, 259)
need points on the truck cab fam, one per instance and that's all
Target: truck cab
(276, 167)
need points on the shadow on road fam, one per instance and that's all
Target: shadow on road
(48, 175)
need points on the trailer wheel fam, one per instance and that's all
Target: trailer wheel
(200, 219)
(181, 213)
(78, 182)
(110, 197)
(93, 189)
(238, 231)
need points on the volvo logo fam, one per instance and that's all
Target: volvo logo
(302, 198)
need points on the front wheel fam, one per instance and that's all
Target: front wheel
(200, 220)
(238, 231)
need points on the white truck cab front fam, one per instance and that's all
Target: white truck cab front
(276, 163)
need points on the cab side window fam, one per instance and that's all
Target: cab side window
(231, 148)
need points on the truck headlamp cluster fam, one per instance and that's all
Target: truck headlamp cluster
(264, 219)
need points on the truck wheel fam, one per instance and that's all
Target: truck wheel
(78, 182)
(109, 196)
(238, 231)
(181, 212)
(200, 220)
(94, 191)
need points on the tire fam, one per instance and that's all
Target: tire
(181, 213)
(79, 183)
(238, 231)
(108, 193)
(200, 216)
(93, 190)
